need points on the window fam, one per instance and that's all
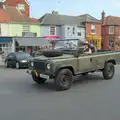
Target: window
(93, 29)
(26, 28)
(73, 30)
(21, 6)
(111, 44)
(52, 30)
(68, 31)
(79, 31)
(111, 29)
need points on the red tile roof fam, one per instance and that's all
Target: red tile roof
(5, 18)
(11, 14)
(112, 20)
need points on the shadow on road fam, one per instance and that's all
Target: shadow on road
(78, 80)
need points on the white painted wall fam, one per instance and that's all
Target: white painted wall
(68, 34)
(82, 31)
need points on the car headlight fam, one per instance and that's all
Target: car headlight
(48, 66)
(32, 64)
(23, 61)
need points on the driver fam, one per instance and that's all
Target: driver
(88, 48)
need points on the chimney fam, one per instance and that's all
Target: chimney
(103, 17)
(55, 12)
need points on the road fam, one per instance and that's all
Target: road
(90, 98)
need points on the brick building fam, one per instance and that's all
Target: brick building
(22, 5)
(110, 32)
(93, 29)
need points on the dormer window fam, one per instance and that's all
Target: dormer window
(21, 6)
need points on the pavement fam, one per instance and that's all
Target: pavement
(90, 98)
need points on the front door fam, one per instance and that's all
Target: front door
(86, 63)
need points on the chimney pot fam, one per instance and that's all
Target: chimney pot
(103, 17)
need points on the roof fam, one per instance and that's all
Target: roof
(57, 19)
(5, 18)
(88, 18)
(112, 20)
(32, 41)
(11, 14)
(12, 1)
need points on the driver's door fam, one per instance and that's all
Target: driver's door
(86, 63)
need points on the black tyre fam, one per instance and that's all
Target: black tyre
(63, 80)
(17, 65)
(84, 74)
(53, 53)
(38, 79)
(108, 71)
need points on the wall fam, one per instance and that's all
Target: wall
(44, 30)
(88, 30)
(65, 35)
(68, 34)
(17, 29)
(109, 37)
(35, 29)
(62, 31)
(14, 3)
(82, 30)
(5, 31)
(105, 36)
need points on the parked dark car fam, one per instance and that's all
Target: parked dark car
(18, 60)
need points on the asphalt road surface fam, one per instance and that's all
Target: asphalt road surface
(90, 98)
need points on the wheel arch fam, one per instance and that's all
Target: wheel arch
(112, 60)
(60, 67)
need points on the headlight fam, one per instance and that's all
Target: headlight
(48, 66)
(32, 64)
(23, 61)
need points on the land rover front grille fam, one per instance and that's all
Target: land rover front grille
(39, 65)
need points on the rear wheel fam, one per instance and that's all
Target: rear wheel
(38, 79)
(108, 71)
(63, 79)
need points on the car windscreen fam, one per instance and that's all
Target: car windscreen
(22, 55)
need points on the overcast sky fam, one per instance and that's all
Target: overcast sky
(75, 7)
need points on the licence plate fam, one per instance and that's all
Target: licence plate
(44, 76)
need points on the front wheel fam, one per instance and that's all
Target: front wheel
(6, 64)
(17, 65)
(108, 71)
(38, 79)
(63, 80)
